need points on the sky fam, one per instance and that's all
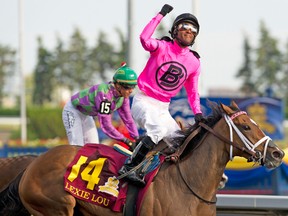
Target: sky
(223, 25)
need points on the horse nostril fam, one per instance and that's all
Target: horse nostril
(278, 154)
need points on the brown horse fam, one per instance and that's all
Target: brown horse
(186, 187)
(10, 168)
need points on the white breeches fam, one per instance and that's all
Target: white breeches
(153, 116)
(80, 128)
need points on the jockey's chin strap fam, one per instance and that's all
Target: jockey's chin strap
(256, 157)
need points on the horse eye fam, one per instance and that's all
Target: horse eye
(245, 127)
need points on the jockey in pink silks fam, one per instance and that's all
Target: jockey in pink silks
(171, 66)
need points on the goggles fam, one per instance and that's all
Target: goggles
(125, 86)
(187, 26)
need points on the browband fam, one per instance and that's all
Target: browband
(237, 114)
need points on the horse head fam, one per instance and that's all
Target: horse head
(256, 145)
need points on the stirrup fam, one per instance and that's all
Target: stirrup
(123, 170)
(132, 176)
(136, 179)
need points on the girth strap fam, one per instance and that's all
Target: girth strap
(130, 205)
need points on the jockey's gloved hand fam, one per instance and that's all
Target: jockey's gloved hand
(131, 144)
(199, 118)
(166, 9)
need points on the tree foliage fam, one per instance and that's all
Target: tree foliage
(102, 56)
(75, 65)
(268, 61)
(43, 76)
(262, 69)
(246, 71)
(284, 74)
(7, 67)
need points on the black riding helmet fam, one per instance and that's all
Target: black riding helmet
(185, 17)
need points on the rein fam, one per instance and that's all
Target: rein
(195, 194)
(224, 139)
(255, 155)
(175, 156)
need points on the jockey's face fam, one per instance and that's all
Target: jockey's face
(124, 91)
(185, 34)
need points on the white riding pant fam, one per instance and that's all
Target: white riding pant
(80, 128)
(153, 116)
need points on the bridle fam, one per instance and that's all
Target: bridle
(255, 156)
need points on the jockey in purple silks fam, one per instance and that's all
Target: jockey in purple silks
(101, 101)
(171, 66)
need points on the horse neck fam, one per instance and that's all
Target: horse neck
(204, 166)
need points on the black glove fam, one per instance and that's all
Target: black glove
(130, 144)
(199, 118)
(166, 9)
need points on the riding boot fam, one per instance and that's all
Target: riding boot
(145, 145)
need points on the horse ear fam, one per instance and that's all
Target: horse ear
(180, 124)
(226, 109)
(234, 105)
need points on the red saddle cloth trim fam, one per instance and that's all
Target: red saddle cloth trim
(89, 177)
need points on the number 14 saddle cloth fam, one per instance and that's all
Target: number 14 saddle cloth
(92, 177)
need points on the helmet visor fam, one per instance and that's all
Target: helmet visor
(187, 26)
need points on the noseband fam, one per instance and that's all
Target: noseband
(256, 156)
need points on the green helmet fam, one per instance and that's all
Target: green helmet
(125, 76)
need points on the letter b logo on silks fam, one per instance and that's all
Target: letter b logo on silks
(171, 75)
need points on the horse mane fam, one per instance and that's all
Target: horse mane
(10, 203)
(210, 120)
